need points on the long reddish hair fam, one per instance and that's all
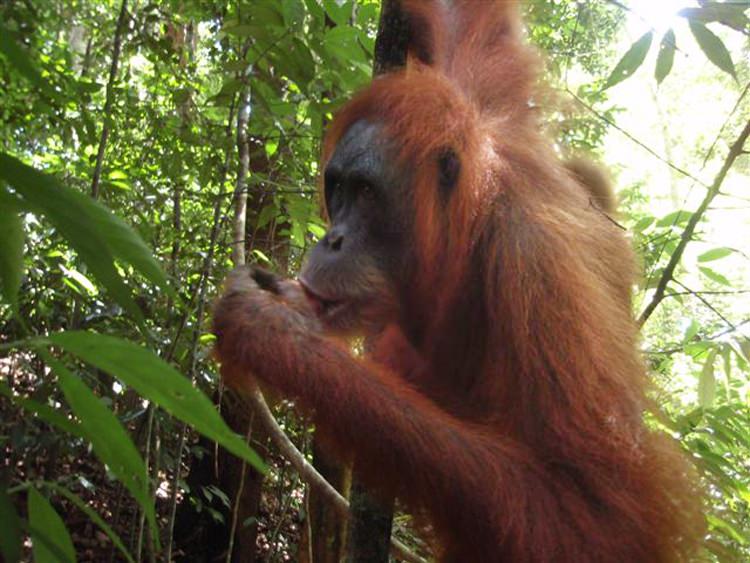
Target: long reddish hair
(523, 284)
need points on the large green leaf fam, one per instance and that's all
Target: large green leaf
(732, 14)
(715, 276)
(125, 243)
(93, 515)
(22, 62)
(157, 381)
(45, 412)
(631, 60)
(111, 442)
(97, 234)
(342, 42)
(68, 210)
(707, 382)
(665, 60)
(10, 529)
(715, 254)
(51, 541)
(713, 47)
(339, 11)
(11, 253)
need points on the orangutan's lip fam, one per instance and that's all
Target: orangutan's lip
(324, 306)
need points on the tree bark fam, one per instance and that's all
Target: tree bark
(372, 519)
(328, 526)
(109, 99)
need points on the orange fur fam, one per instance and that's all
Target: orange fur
(519, 427)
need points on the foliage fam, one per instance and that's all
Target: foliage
(103, 300)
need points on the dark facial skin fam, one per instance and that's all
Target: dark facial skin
(353, 274)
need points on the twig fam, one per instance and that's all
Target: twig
(208, 263)
(691, 292)
(705, 302)
(706, 158)
(238, 496)
(715, 336)
(637, 141)
(687, 234)
(109, 99)
(257, 404)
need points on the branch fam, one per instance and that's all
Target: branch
(109, 99)
(713, 337)
(257, 404)
(637, 141)
(392, 41)
(706, 302)
(734, 152)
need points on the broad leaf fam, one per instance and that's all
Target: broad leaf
(111, 442)
(745, 348)
(11, 253)
(45, 412)
(339, 11)
(715, 276)
(713, 48)
(631, 60)
(707, 382)
(93, 515)
(675, 219)
(691, 331)
(96, 234)
(22, 61)
(731, 14)
(665, 60)
(50, 538)
(10, 526)
(715, 254)
(157, 381)
(68, 210)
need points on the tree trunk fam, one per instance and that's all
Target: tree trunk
(327, 528)
(371, 519)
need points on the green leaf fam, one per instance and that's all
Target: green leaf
(261, 256)
(340, 11)
(295, 61)
(68, 210)
(715, 254)
(51, 541)
(294, 13)
(707, 382)
(691, 331)
(82, 281)
(631, 60)
(125, 244)
(45, 412)
(96, 234)
(731, 14)
(111, 442)
(643, 223)
(715, 276)
(665, 60)
(745, 347)
(157, 381)
(117, 175)
(728, 529)
(21, 60)
(10, 537)
(675, 219)
(342, 43)
(267, 13)
(93, 516)
(11, 254)
(726, 354)
(713, 47)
